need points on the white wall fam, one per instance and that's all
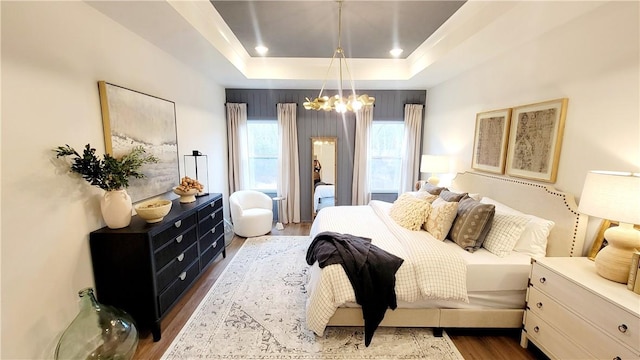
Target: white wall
(53, 55)
(592, 60)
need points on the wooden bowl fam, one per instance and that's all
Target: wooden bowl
(153, 211)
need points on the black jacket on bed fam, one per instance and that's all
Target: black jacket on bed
(370, 270)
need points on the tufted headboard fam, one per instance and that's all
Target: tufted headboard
(567, 236)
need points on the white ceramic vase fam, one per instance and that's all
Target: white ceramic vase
(116, 208)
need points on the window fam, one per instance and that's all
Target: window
(263, 145)
(385, 156)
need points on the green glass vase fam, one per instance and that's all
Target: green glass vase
(98, 332)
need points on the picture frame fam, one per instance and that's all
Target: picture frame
(600, 242)
(535, 140)
(490, 140)
(131, 118)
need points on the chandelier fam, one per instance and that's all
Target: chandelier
(338, 102)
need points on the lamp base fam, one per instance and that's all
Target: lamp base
(433, 180)
(613, 262)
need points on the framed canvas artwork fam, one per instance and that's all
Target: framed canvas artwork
(490, 141)
(535, 140)
(131, 118)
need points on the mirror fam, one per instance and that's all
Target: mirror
(323, 172)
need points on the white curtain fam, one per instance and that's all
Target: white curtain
(360, 194)
(411, 158)
(238, 148)
(288, 173)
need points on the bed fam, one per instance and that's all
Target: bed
(323, 196)
(491, 291)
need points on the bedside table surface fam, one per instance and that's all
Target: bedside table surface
(584, 271)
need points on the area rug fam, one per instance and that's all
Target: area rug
(256, 310)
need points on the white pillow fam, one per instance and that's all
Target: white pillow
(440, 218)
(534, 237)
(424, 195)
(504, 233)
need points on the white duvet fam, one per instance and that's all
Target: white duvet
(431, 269)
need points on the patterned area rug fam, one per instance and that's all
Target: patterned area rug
(256, 310)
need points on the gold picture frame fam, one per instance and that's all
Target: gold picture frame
(131, 118)
(535, 140)
(600, 242)
(490, 140)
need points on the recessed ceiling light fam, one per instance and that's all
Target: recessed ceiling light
(261, 49)
(395, 52)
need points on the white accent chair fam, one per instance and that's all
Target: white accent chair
(251, 213)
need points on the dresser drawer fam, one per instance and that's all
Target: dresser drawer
(174, 248)
(211, 231)
(553, 343)
(615, 321)
(583, 333)
(211, 221)
(176, 266)
(174, 230)
(178, 286)
(209, 252)
(209, 209)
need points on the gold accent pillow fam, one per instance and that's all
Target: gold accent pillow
(440, 218)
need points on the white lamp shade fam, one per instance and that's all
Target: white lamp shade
(612, 195)
(434, 164)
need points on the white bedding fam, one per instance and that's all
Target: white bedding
(322, 191)
(431, 269)
(424, 280)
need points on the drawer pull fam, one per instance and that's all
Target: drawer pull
(179, 239)
(543, 280)
(622, 328)
(539, 305)
(183, 275)
(180, 257)
(177, 223)
(536, 329)
(214, 244)
(213, 231)
(212, 204)
(213, 216)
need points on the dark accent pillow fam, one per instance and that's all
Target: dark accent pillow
(432, 189)
(450, 196)
(472, 224)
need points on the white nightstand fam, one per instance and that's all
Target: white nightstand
(573, 313)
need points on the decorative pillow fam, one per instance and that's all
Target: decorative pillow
(451, 196)
(474, 196)
(534, 237)
(505, 232)
(440, 218)
(432, 189)
(409, 211)
(423, 195)
(472, 224)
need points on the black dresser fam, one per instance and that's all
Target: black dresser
(145, 269)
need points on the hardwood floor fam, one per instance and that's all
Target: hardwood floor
(472, 343)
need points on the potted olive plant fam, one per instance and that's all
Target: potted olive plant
(112, 175)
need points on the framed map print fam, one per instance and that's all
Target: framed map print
(535, 140)
(490, 141)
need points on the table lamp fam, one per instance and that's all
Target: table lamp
(434, 164)
(614, 196)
